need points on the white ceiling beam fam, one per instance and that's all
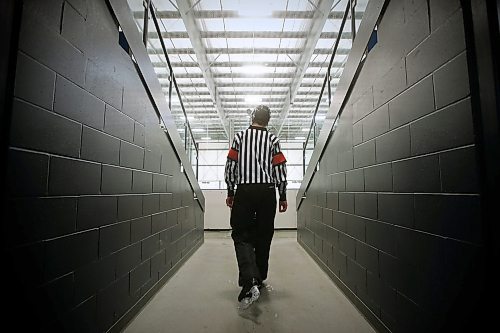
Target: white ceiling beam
(319, 18)
(249, 50)
(189, 20)
(248, 85)
(281, 64)
(243, 76)
(214, 14)
(247, 34)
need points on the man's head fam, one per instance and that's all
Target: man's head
(261, 115)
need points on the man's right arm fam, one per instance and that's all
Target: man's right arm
(231, 171)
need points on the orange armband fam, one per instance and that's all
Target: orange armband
(278, 159)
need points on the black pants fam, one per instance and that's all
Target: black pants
(252, 221)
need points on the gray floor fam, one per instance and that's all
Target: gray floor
(201, 297)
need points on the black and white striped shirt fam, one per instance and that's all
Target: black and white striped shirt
(255, 157)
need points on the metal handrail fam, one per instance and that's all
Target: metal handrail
(172, 77)
(349, 8)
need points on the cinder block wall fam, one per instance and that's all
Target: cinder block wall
(99, 208)
(393, 214)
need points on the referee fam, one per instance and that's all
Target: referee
(256, 165)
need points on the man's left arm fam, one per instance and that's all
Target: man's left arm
(279, 167)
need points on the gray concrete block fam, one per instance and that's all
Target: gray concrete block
(65, 254)
(416, 28)
(393, 145)
(415, 102)
(390, 36)
(440, 11)
(38, 129)
(355, 181)
(142, 182)
(113, 238)
(47, 13)
(417, 175)
(34, 82)
(99, 147)
(451, 82)
(159, 222)
(134, 98)
(52, 50)
(103, 83)
(364, 154)
(165, 201)
(381, 236)
(378, 178)
(455, 216)
(129, 207)
(367, 256)
(346, 202)
(338, 182)
(96, 211)
(376, 123)
(27, 173)
(443, 44)
(346, 160)
(92, 277)
(347, 245)
(389, 269)
(36, 219)
(139, 136)
(365, 204)
(118, 124)
(396, 209)
(357, 133)
(152, 161)
(73, 177)
(74, 28)
(131, 155)
(116, 180)
(390, 84)
(80, 6)
(127, 259)
(363, 106)
(159, 183)
(332, 200)
(140, 228)
(151, 204)
(327, 217)
(459, 171)
(355, 227)
(76, 103)
(169, 162)
(448, 128)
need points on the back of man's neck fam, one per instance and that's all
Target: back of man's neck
(257, 125)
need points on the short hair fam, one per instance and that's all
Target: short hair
(261, 115)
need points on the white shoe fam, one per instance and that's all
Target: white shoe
(253, 295)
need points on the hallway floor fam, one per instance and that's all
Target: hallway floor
(201, 296)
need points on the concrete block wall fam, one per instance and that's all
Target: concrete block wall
(393, 214)
(100, 212)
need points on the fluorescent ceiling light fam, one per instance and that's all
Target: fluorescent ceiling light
(253, 99)
(320, 117)
(305, 130)
(254, 69)
(197, 130)
(206, 138)
(300, 138)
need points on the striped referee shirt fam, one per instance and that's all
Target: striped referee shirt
(255, 157)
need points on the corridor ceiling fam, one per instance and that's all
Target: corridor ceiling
(230, 55)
